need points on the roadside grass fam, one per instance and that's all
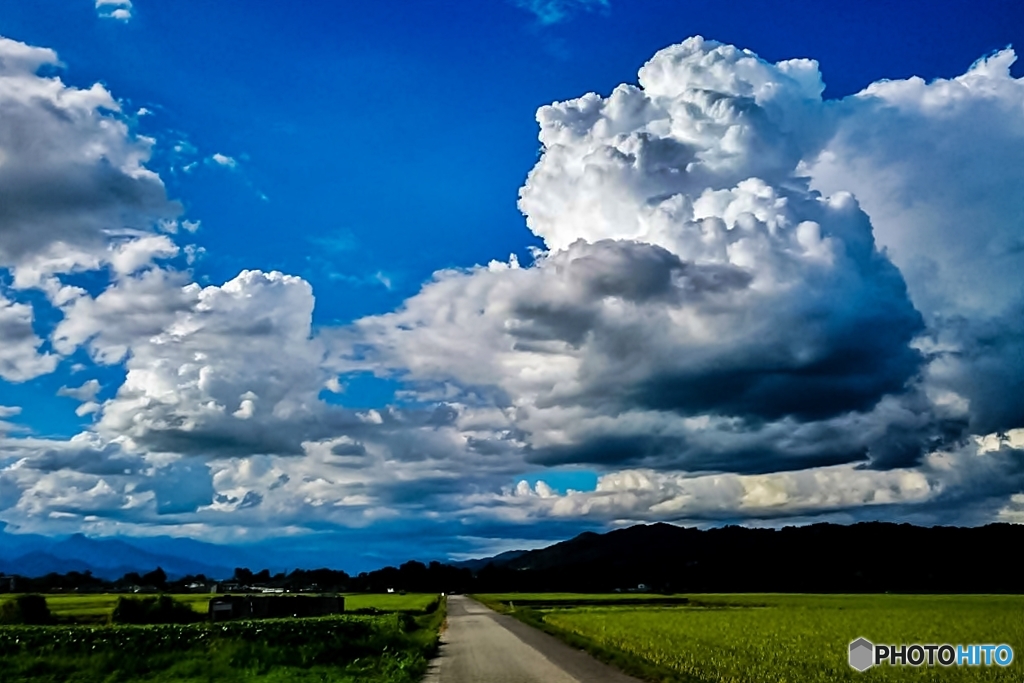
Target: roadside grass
(571, 598)
(773, 638)
(387, 648)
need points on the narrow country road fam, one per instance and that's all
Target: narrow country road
(482, 646)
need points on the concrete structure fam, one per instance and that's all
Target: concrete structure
(259, 607)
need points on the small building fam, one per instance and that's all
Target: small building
(227, 587)
(260, 607)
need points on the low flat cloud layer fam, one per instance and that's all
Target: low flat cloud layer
(752, 304)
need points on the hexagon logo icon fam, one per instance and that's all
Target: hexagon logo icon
(862, 654)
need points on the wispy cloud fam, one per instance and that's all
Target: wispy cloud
(554, 11)
(224, 160)
(335, 242)
(114, 9)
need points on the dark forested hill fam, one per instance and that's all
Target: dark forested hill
(866, 557)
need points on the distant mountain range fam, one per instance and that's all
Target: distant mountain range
(111, 558)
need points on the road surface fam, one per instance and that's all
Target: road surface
(481, 646)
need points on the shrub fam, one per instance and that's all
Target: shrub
(26, 609)
(156, 610)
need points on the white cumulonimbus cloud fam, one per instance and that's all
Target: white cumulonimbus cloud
(936, 165)
(752, 303)
(702, 307)
(693, 283)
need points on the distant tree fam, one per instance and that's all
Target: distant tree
(131, 579)
(243, 575)
(26, 609)
(262, 576)
(324, 580)
(157, 578)
(156, 610)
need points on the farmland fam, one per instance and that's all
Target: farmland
(388, 602)
(773, 638)
(96, 608)
(392, 646)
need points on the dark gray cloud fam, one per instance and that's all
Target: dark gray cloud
(348, 448)
(666, 452)
(250, 500)
(983, 361)
(84, 457)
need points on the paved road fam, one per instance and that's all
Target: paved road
(481, 646)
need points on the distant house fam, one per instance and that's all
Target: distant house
(259, 607)
(8, 584)
(228, 587)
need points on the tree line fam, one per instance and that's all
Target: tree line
(412, 576)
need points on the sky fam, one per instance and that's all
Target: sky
(437, 280)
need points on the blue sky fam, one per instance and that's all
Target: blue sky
(360, 160)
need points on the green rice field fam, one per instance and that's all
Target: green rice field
(774, 638)
(392, 646)
(388, 602)
(96, 608)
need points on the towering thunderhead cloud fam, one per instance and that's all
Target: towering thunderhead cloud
(699, 306)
